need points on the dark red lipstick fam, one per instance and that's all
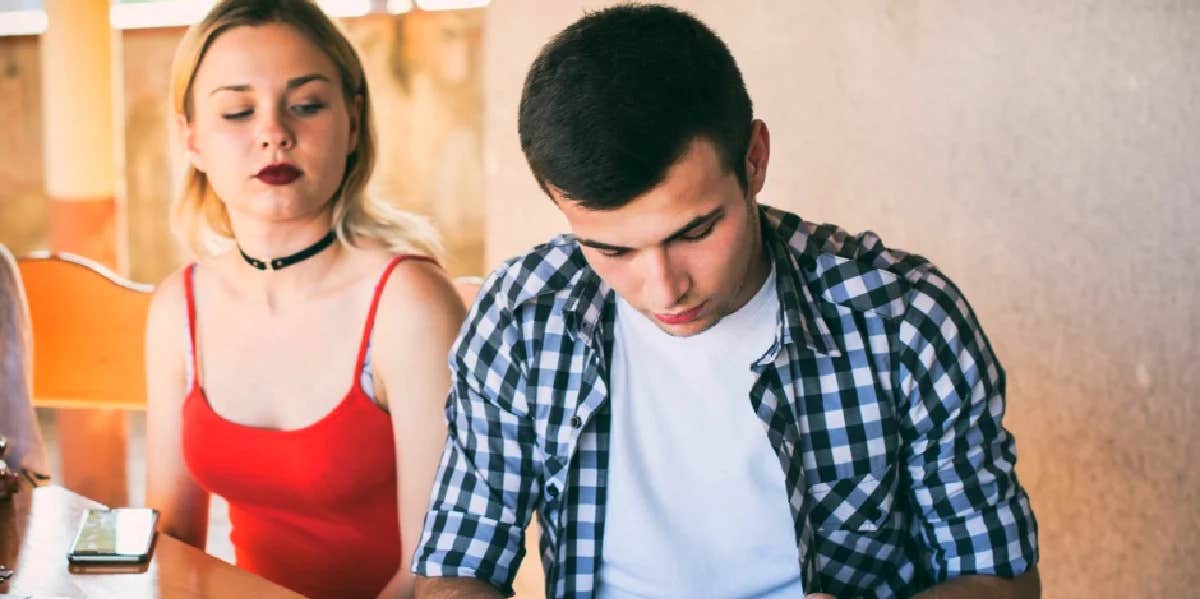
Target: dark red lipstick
(278, 174)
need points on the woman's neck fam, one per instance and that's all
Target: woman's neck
(277, 289)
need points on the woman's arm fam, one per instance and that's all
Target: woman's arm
(169, 485)
(419, 316)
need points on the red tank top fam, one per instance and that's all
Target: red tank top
(313, 509)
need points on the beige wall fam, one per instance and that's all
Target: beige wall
(145, 58)
(1044, 154)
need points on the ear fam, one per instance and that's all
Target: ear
(187, 135)
(557, 196)
(356, 108)
(758, 154)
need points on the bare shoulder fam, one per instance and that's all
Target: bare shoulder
(419, 295)
(418, 317)
(168, 305)
(167, 339)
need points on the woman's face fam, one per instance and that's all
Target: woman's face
(270, 125)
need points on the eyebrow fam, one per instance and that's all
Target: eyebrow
(292, 83)
(703, 219)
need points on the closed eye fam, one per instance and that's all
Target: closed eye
(307, 109)
(699, 233)
(237, 116)
(615, 253)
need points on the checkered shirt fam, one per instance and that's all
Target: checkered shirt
(880, 396)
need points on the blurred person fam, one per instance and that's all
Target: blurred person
(700, 395)
(21, 446)
(298, 368)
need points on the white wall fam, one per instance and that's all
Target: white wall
(1044, 154)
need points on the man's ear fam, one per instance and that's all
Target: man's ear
(187, 136)
(758, 154)
(557, 196)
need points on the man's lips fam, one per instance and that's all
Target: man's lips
(680, 317)
(278, 174)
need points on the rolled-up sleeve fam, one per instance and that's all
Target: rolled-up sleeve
(484, 493)
(973, 517)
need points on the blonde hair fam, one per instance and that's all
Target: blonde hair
(198, 215)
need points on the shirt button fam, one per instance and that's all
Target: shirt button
(576, 421)
(552, 491)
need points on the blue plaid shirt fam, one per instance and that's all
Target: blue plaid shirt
(880, 396)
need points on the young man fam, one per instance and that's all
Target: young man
(704, 397)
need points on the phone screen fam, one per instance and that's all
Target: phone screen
(119, 535)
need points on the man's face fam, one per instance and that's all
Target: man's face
(687, 252)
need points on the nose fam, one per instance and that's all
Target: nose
(275, 133)
(666, 281)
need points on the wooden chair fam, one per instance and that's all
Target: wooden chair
(89, 328)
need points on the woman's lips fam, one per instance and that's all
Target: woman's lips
(278, 174)
(680, 317)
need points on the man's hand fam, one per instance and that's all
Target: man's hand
(1025, 586)
(9, 482)
(454, 588)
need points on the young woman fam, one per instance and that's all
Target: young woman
(298, 368)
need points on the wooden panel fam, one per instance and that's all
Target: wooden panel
(150, 165)
(88, 330)
(23, 211)
(84, 226)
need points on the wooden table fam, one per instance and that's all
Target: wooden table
(38, 525)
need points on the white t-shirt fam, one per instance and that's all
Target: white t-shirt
(696, 500)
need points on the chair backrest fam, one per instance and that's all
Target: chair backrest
(17, 422)
(89, 328)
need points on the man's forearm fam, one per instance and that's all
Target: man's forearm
(454, 588)
(1025, 586)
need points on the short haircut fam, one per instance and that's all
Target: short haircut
(615, 99)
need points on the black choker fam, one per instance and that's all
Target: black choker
(300, 256)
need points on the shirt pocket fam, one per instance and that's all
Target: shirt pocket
(858, 504)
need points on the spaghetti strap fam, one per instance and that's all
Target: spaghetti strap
(370, 324)
(190, 295)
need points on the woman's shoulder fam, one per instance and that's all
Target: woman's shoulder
(170, 294)
(414, 276)
(418, 316)
(166, 320)
(417, 291)
(419, 280)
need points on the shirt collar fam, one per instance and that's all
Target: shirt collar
(800, 320)
(590, 303)
(817, 269)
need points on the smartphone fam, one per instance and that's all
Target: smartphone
(114, 536)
